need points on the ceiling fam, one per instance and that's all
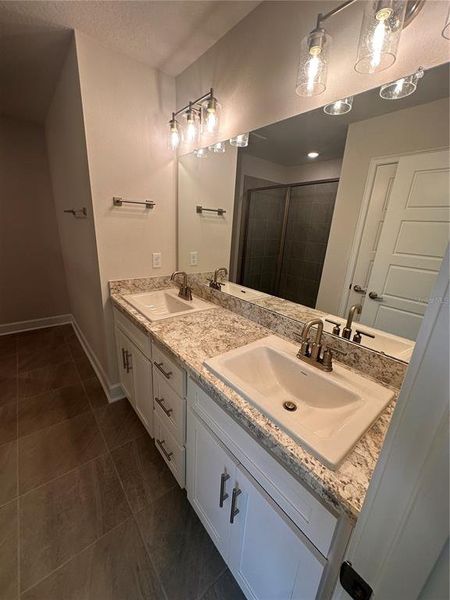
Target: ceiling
(168, 35)
(288, 142)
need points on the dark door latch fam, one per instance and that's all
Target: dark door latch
(354, 584)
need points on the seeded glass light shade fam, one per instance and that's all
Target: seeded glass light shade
(241, 141)
(402, 87)
(313, 65)
(211, 116)
(201, 152)
(174, 137)
(191, 129)
(218, 148)
(340, 107)
(380, 35)
(446, 30)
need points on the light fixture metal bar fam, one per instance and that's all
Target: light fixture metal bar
(323, 17)
(193, 103)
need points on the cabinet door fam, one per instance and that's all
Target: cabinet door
(142, 383)
(269, 556)
(210, 477)
(124, 358)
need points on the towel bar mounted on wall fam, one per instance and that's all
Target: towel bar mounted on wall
(118, 201)
(201, 209)
(78, 213)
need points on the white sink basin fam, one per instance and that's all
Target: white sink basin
(333, 410)
(163, 304)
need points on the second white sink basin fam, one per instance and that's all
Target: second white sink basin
(331, 410)
(162, 304)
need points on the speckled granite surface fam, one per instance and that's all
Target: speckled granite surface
(192, 338)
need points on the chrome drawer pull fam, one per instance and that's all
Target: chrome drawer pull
(234, 510)
(160, 401)
(124, 362)
(167, 374)
(223, 495)
(164, 451)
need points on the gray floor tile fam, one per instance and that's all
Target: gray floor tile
(119, 423)
(144, 474)
(63, 517)
(95, 393)
(116, 567)
(225, 588)
(47, 378)
(8, 378)
(8, 552)
(36, 358)
(8, 472)
(183, 554)
(38, 412)
(8, 422)
(53, 451)
(8, 345)
(84, 367)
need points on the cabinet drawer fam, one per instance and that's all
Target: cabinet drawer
(172, 453)
(170, 407)
(172, 373)
(138, 337)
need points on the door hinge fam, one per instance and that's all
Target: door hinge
(353, 583)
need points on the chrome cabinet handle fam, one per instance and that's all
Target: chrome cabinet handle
(124, 361)
(359, 290)
(160, 401)
(223, 495)
(375, 296)
(164, 451)
(129, 365)
(167, 374)
(234, 510)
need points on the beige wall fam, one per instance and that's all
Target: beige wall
(32, 279)
(414, 129)
(126, 107)
(209, 182)
(253, 67)
(71, 188)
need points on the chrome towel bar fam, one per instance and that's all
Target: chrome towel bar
(78, 213)
(118, 201)
(200, 209)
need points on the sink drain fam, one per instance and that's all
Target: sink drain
(290, 406)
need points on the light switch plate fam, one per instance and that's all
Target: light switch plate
(194, 258)
(156, 260)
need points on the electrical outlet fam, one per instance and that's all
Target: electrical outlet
(156, 260)
(194, 258)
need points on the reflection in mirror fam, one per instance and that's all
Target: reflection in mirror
(330, 212)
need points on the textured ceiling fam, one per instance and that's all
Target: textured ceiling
(168, 35)
(288, 142)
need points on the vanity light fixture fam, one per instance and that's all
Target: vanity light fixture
(313, 154)
(201, 152)
(240, 141)
(202, 116)
(377, 50)
(402, 87)
(340, 107)
(174, 133)
(218, 148)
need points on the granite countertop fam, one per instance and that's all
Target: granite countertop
(193, 338)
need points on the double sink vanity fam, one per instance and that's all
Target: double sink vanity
(254, 430)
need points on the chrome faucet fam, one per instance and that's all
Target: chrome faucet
(312, 352)
(347, 331)
(185, 291)
(213, 283)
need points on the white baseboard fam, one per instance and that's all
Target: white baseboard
(113, 391)
(19, 326)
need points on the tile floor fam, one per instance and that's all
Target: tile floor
(88, 508)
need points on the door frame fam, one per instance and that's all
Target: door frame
(375, 162)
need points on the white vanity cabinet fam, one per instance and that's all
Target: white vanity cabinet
(135, 368)
(274, 535)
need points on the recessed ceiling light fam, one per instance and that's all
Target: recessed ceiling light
(313, 154)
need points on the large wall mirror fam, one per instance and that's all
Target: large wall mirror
(329, 212)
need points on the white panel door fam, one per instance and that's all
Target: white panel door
(411, 246)
(374, 220)
(123, 346)
(269, 557)
(210, 479)
(143, 393)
